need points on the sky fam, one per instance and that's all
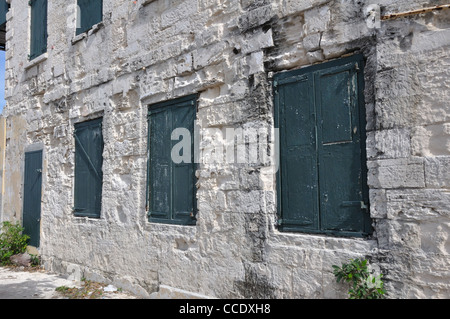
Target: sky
(2, 80)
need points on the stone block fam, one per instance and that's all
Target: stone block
(311, 42)
(307, 283)
(255, 18)
(316, 19)
(377, 199)
(210, 55)
(255, 62)
(417, 204)
(21, 259)
(178, 13)
(437, 172)
(257, 40)
(396, 173)
(394, 143)
(431, 140)
(244, 201)
(434, 237)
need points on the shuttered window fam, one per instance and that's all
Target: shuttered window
(321, 182)
(171, 182)
(4, 8)
(89, 13)
(38, 38)
(88, 168)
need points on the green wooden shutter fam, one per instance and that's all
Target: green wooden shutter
(160, 164)
(171, 186)
(91, 13)
(183, 173)
(38, 44)
(4, 7)
(340, 165)
(32, 196)
(321, 182)
(298, 169)
(88, 168)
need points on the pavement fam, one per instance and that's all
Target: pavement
(20, 283)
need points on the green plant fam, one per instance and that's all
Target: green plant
(62, 289)
(89, 290)
(12, 241)
(35, 260)
(364, 284)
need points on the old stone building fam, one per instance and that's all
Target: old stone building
(137, 135)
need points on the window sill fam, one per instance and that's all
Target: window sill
(322, 241)
(36, 60)
(87, 33)
(187, 222)
(166, 228)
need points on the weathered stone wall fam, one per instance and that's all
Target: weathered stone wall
(227, 50)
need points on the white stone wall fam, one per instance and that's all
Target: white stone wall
(226, 50)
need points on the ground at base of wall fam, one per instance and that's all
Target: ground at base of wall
(36, 283)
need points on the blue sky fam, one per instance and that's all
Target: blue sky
(2, 80)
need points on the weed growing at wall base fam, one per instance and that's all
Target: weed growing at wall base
(364, 283)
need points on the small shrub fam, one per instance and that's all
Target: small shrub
(364, 284)
(12, 241)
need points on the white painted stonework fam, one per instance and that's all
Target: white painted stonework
(145, 52)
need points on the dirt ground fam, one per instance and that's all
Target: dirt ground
(35, 283)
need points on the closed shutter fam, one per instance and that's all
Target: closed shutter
(183, 173)
(298, 157)
(171, 195)
(160, 164)
(88, 168)
(38, 24)
(322, 177)
(91, 13)
(32, 188)
(340, 162)
(4, 7)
